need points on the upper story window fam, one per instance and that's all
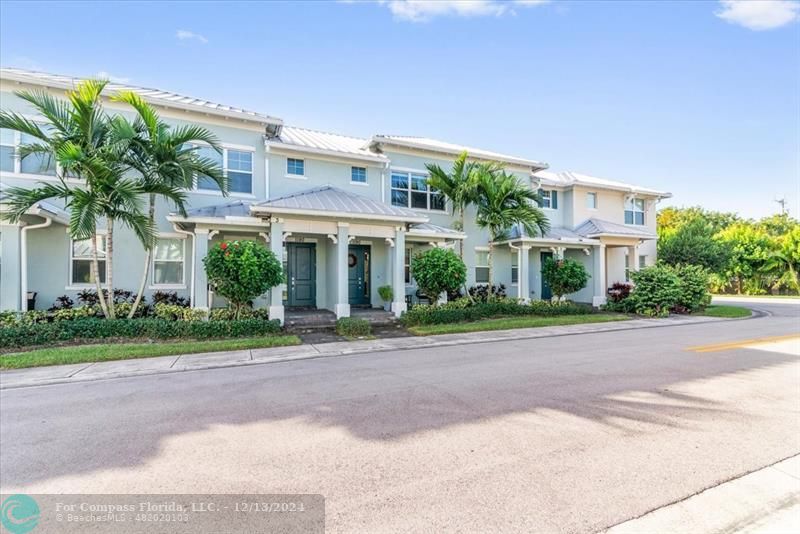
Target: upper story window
(358, 175)
(40, 164)
(237, 165)
(591, 201)
(549, 199)
(411, 190)
(295, 167)
(81, 261)
(168, 261)
(634, 211)
(7, 148)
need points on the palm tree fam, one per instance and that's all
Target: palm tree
(502, 202)
(79, 137)
(457, 186)
(166, 160)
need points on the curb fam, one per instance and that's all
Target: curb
(358, 351)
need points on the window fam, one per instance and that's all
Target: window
(296, 167)
(549, 199)
(514, 266)
(481, 266)
(642, 262)
(81, 261)
(237, 165)
(168, 262)
(591, 201)
(7, 150)
(358, 175)
(634, 211)
(407, 265)
(411, 190)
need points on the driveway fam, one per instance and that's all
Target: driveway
(566, 434)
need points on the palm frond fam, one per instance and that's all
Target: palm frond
(19, 200)
(55, 110)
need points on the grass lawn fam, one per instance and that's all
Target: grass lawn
(717, 310)
(734, 296)
(123, 351)
(506, 323)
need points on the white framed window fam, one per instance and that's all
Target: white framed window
(642, 262)
(8, 146)
(237, 165)
(33, 164)
(295, 167)
(80, 261)
(514, 267)
(591, 200)
(634, 211)
(358, 175)
(168, 262)
(481, 266)
(407, 265)
(549, 199)
(411, 190)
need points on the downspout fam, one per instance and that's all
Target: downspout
(191, 281)
(23, 248)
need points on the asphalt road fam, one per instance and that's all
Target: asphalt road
(566, 434)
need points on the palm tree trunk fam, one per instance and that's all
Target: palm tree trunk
(147, 254)
(491, 261)
(110, 266)
(96, 275)
(461, 254)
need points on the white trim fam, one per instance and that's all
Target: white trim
(157, 287)
(296, 176)
(334, 154)
(359, 184)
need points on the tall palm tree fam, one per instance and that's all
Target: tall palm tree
(79, 138)
(457, 186)
(502, 202)
(166, 160)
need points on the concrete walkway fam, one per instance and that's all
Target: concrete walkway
(764, 501)
(57, 374)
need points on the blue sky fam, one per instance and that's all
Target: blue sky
(698, 98)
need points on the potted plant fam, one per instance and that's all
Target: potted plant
(386, 294)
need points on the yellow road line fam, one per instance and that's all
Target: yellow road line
(743, 343)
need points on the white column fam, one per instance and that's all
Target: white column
(599, 275)
(633, 257)
(523, 277)
(342, 292)
(398, 272)
(276, 246)
(11, 266)
(200, 297)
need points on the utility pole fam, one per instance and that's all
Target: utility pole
(782, 203)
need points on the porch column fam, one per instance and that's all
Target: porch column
(398, 272)
(523, 280)
(11, 266)
(342, 293)
(600, 283)
(633, 257)
(276, 246)
(200, 297)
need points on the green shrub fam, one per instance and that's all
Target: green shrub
(23, 335)
(437, 271)
(462, 310)
(81, 312)
(229, 314)
(241, 271)
(8, 318)
(694, 284)
(656, 290)
(564, 276)
(353, 327)
(386, 293)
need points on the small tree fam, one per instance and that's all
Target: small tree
(564, 276)
(241, 271)
(438, 270)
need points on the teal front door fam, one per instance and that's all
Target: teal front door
(546, 293)
(358, 274)
(301, 274)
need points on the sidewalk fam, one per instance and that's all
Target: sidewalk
(764, 501)
(81, 372)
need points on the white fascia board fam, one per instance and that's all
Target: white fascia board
(277, 147)
(604, 187)
(550, 242)
(226, 221)
(343, 215)
(625, 236)
(427, 235)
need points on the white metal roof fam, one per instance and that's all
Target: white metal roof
(598, 227)
(568, 179)
(307, 140)
(434, 145)
(155, 96)
(434, 230)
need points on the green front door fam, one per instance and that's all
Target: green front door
(358, 274)
(301, 274)
(546, 293)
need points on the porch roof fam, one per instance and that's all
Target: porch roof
(600, 228)
(434, 231)
(329, 201)
(557, 233)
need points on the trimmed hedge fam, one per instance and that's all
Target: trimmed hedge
(462, 310)
(25, 335)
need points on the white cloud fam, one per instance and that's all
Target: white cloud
(186, 35)
(103, 75)
(425, 10)
(759, 15)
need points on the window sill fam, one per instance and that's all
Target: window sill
(360, 184)
(166, 286)
(82, 287)
(296, 176)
